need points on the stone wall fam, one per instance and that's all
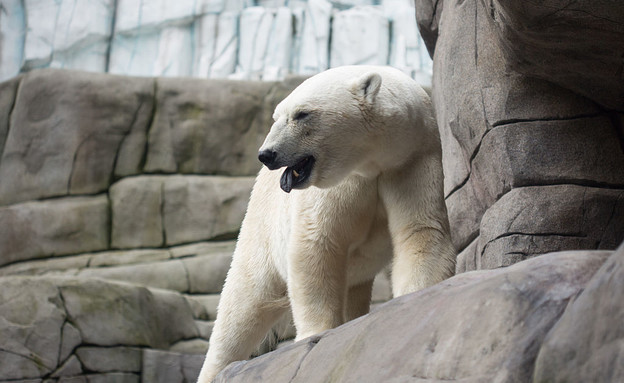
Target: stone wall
(243, 39)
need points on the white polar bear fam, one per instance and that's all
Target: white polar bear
(362, 186)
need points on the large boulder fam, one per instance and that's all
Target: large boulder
(587, 343)
(508, 120)
(481, 326)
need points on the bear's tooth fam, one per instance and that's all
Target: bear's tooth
(295, 173)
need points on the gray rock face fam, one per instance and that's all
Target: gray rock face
(69, 327)
(51, 228)
(504, 128)
(193, 122)
(152, 211)
(109, 314)
(75, 129)
(590, 63)
(479, 326)
(30, 328)
(587, 344)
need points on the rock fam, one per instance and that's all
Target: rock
(382, 287)
(71, 367)
(110, 359)
(76, 130)
(206, 273)
(209, 303)
(590, 61)
(199, 208)
(136, 209)
(128, 257)
(170, 275)
(428, 15)
(70, 339)
(8, 91)
(580, 150)
(151, 211)
(373, 39)
(51, 228)
(72, 379)
(170, 367)
(204, 328)
(113, 377)
(110, 314)
(31, 318)
(203, 248)
(488, 327)
(570, 217)
(502, 129)
(64, 265)
(467, 258)
(586, 343)
(191, 346)
(72, 264)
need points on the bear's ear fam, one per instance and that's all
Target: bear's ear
(367, 86)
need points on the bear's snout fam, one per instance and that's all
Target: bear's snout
(267, 157)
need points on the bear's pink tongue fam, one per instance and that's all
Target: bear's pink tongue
(287, 180)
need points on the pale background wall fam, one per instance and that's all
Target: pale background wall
(240, 39)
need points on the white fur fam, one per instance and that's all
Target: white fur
(375, 195)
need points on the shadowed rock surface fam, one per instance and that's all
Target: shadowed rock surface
(524, 100)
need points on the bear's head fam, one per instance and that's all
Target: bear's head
(324, 130)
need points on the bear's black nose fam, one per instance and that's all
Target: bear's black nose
(267, 157)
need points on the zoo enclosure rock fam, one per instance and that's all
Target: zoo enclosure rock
(481, 326)
(521, 107)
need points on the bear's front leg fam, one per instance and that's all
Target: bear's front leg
(252, 301)
(418, 223)
(317, 284)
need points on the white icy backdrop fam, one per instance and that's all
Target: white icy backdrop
(239, 39)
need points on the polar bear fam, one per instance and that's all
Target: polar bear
(361, 186)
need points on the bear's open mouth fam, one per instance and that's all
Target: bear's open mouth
(295, 176)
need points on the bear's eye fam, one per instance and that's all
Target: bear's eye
(300, 115)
